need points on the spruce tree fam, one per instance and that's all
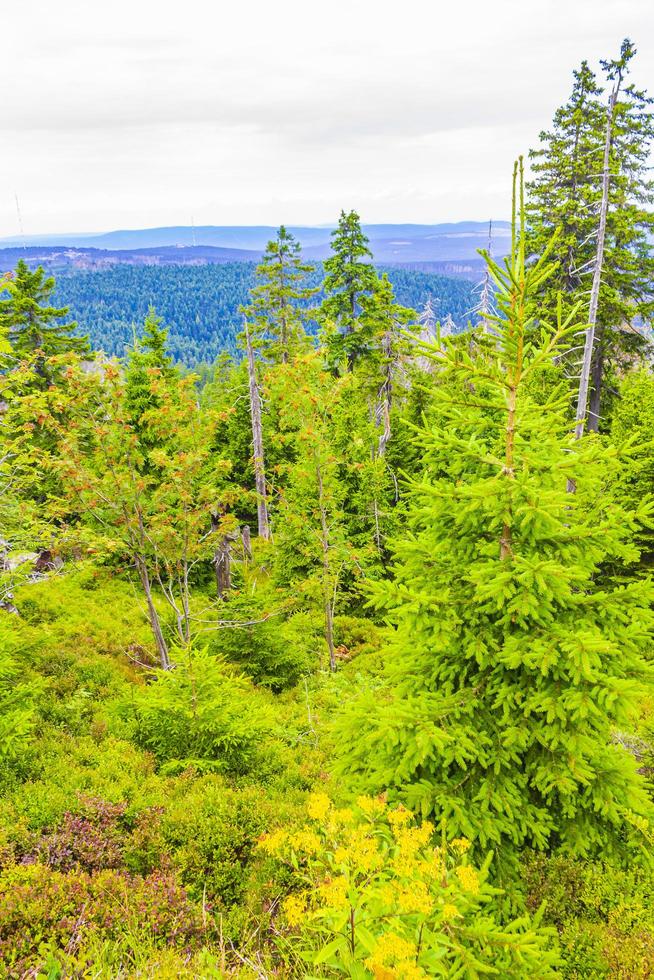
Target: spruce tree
(276, 314)
(30, 322)
(147, 360)
(566, 193)
(349, 278)
(514, 656)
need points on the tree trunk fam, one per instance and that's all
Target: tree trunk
(596, 387)
(257, 443)
(222, 563)
(247, 544)
(153, 615)
(584, 380)
(385, 395)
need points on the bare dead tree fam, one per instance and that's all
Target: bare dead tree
(584, 379)
(245, 539)
(222, 563)
(257, 442)
(485, 307)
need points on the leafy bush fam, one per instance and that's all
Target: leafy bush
(198, 714)
(211, 831)
(273, 651)
(604, 915)
(375, 898)
(17, 713)
(42, 905)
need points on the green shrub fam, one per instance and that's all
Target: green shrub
(198, 714)
(275, 652)
(604, 915)
(41, 905)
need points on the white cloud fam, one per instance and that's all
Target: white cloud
(142, 112)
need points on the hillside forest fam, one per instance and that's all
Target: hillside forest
(334, 659)
(201, 303)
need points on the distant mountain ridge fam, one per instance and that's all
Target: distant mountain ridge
(453, 242)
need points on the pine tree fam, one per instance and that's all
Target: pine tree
(514, 655)
(275, 312)
(566, 193)
(30, 322)
(147, 359)
(349, 278)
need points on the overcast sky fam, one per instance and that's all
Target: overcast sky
(138, 113)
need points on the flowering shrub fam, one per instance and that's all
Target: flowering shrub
(41, 905)
(376, 898)
(91, 840)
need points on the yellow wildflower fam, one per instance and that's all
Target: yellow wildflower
(333, 892)
(272, 843)
(363, 850)
(460, 844)
(409, 970)
(306, 841)
(381, 972)
(294, 907)
(399, 817)
(343, 816)
(415, 898)
(449, 911)
(389, 950)
(340, 855)
(371, 805)
(411, 839)
(468, 878)
(318, 805)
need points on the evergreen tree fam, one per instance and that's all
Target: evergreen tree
(30, 322)
(514, 655)
(275, 311)
(566, 193)
(147, 359)
(349, 278)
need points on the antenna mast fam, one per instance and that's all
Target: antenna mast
(20, 222)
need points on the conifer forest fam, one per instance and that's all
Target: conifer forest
(327, 632)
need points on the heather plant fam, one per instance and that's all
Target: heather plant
(373, 896)
(42, 905)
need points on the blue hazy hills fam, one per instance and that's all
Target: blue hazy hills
(453, 244)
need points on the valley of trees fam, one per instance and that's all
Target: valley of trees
(335, 657)
(200, 304)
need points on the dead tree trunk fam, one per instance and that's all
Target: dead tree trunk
(222, 563)
(584, 380)
(247, 544)
(385, 396)
(257, 443)
(597, 371)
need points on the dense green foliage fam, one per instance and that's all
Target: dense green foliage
(200, 304)
(372, 699)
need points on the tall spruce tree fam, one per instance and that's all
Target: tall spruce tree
(349, 278)
(147, 360)
(31, 323)
(514, 657)
(566, 193)
(276, 313)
